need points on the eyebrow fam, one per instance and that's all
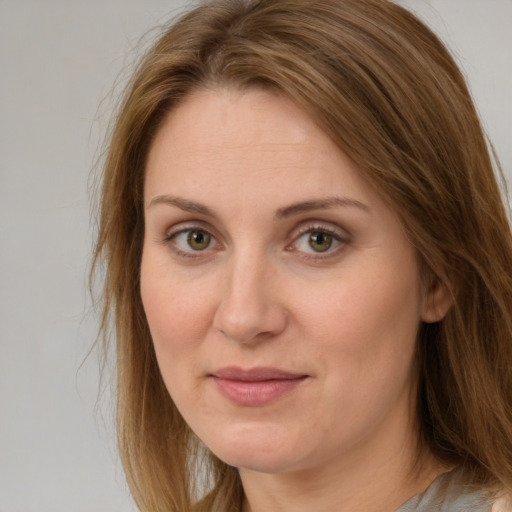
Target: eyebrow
(320, 204)
(183, 204)
(294, 209)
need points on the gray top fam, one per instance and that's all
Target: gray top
(448, 493)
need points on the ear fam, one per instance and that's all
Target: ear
(437, 301)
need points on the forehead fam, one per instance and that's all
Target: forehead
(256, 137)
(232, 120)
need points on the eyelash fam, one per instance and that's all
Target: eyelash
(336, 236)
(339, 239)
(170, 238)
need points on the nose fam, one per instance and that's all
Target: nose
(249, 310)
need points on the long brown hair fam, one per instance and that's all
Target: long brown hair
(386, 90)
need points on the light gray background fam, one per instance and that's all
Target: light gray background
(58, 62)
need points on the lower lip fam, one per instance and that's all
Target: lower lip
(256, 393)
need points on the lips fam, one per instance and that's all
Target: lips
(255, 386)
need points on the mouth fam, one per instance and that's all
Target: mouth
(255, 386)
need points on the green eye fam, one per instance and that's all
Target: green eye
(198, 240)
(193, 242)
(320, 242)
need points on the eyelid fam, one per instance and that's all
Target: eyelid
(339, 234)
(188, 225)
(327, 227)
(183, 227)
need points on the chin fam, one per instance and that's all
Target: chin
(254, 460)
(266, 449)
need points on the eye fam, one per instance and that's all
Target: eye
(191, 240)
(319, 241)
(198, 240)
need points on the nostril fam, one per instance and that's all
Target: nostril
(249, 323)
(248, 309)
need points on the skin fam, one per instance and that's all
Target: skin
(233, 166)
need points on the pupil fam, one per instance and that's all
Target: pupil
(320, 242)
(198, 240)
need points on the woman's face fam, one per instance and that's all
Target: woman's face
(281, 293)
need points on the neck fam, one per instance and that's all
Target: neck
(373, 481)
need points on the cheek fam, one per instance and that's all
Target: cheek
(363, 324)
(355, 312)
(173, 317)
(365, 331)
(178, 313)
(178, 321)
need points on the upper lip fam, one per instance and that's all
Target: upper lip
(257, 374)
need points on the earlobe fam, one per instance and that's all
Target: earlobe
(437, 302)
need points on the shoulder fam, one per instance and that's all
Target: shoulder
(503, 503)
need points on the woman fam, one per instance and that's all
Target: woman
(309, 265)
